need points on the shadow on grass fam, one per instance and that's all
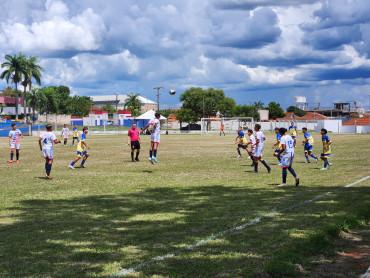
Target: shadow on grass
(79, 237)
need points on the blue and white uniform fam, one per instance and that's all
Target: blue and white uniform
(156, 132)
(48, 138)
(260, 137)
(288, 154)
(14, 141)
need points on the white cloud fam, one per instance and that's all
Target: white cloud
(56, 32)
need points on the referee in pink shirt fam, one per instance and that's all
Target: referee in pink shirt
(134, 137)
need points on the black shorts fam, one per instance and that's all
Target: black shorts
(135, 145)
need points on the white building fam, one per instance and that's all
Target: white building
(118, 102)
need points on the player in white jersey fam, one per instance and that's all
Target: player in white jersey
(14, 143)
(155, 135)
(287, 151)
(260, 138)
(46, 141)
(65, 133)
(252, 142)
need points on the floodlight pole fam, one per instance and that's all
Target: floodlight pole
(158, 88)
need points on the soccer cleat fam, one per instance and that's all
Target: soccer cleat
(282, 185)
(10, 161)
(82, 166)
(151, 160)
(308, 162)
(255, 172)
(279, 164)
(48, 177)
(71, 167)
(248, 157)
(155, 159)
(132, 160)
(269, 170)
(296, 181)
(239, 156)
(17, 161)
(316, 160)
(324, 169)
(137, 159)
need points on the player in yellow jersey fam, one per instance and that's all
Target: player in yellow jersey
(81, 151)
(241, 141)
(325, 155)
(308, 145)
(76, 134)
(293, 133)
(277, 145)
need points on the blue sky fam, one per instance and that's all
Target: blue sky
(254, 50)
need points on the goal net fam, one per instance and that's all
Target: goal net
(231, 125)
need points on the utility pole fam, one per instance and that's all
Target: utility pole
(158, 88)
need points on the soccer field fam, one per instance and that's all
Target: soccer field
(116, 214)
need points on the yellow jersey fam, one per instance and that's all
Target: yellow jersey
(80, 145)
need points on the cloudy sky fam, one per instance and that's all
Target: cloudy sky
(268, 50)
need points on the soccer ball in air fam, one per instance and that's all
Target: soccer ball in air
(172, 92)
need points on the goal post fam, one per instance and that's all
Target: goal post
(231, 125)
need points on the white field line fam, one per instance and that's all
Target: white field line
(132, 269)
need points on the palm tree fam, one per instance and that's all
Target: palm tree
(15, 68)
(258, 105)
(34, 99)
(33, 70)
(132, 100)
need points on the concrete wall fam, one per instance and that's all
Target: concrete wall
(355, 129)
(330, 125)
(58, 119)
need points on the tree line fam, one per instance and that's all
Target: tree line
(200, 103)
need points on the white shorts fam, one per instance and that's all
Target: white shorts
(258, 152)
(15, 146)
(287, 161)
(48, 153)
(155, 137)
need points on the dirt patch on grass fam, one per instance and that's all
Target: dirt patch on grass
(353, 256)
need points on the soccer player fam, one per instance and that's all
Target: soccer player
(48, 138)
(277, 145)
(287, 150)
(252, 142)
(325, 155)
(293, 132)
(65, 133)
(241, 141)
(14, 143)
(308, 145)
(260, 138)
(134, 138)
(222, 128)
(76, 134)
(155, 135)
(81, 152)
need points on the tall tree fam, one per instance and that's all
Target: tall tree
(34, 99)
(32, 71)
(15, 68)
(133, 101)
(247, 111)
(275, 110)
(50, 102)
(206, 103)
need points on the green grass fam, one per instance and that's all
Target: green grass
(89, 222)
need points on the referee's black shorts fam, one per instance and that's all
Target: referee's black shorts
(135, 145)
